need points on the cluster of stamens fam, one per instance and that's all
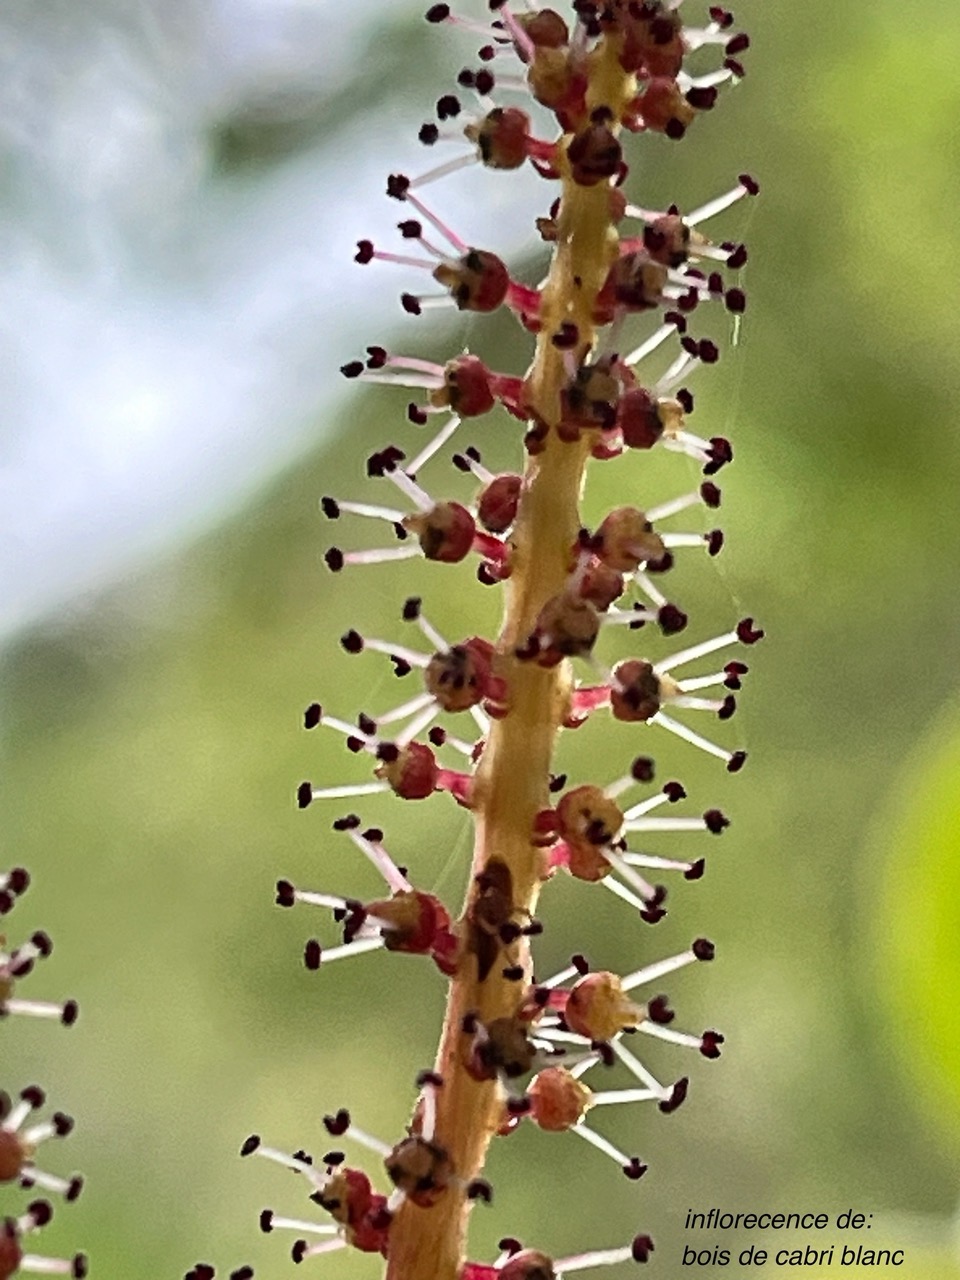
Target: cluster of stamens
(559, 1049)
(21, 1133)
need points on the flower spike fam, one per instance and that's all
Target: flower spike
(618, 343)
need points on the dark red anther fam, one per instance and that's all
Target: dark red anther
(710, 1043)
(721, 453)
(747, 633)
(671, 619)
(677, 1097)
(659, 1011)
(702, 99)
(738, 257)
(641, 1248)
(716, 821)
(338, 1124)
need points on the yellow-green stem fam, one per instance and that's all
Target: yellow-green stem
(511, 785)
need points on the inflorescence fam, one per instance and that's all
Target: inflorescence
(615, 324)
(22, 1131)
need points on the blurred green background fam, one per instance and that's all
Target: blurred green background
(152, 741)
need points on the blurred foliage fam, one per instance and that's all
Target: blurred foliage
(151, 748)
(267, 130)
(916, 923)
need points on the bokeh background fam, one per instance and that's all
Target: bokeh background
(182, 185)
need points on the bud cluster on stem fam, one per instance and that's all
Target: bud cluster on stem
(515, 1046)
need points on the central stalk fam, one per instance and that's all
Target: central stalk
(512, 780)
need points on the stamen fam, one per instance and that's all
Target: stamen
(647, 347)
(597, 1258)
(364, 1139)
(427, 716)
(443, 170)
(672, 1037)
(700, 704)
(695, 651)
(637, 1069)
(558, 979)
(525, 47)
(695, 739)
(655, 863)
(270, 1221)
(398, 259)
(645, 807)
(712, 207)
(615, 887)
(316, 955)
(314, 1250)
(461, 246)
(701, 950)
(630, 1165)
(340, 793)
(435, 445)
(69, 1188)
(379, 555)
(253, 1146)
(66, 1013)
(407, 708)
(396, 881)
(675, 506)
(408, 486)
(644, 889)
(728, 679)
